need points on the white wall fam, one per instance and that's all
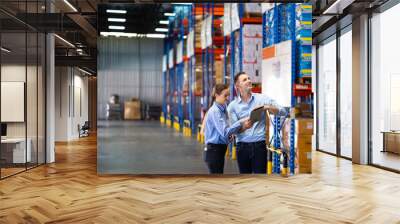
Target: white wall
(33, 127)
(71, 103)
(129, 67)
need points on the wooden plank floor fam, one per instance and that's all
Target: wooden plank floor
(70, 191)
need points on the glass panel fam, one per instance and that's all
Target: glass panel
(32, 96)
(327, 96)
(32, 83)
(14, 153)
(41, 99)
(346, 94)
(385, 83)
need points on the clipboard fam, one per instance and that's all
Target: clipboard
(256, 114)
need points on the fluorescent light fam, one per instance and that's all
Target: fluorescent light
(165, 22)
(5, 50)
(70, 5)
(65, 41)
(116, 27)
(116, 11)
(182, 3)
(84, 71)
(155, 35)
(79, 50)
(122, 34)
(184, 37)
(161, 29)
(118, 34)
(121, 20)
(169, 14)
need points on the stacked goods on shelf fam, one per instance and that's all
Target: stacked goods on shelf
(114, 108)
(304, 39)
(287, 21)
(252, 51)
(218, 69)
(236, 51)
(252, 9)
(197, 31)
(199, 76)
(303, 143)
(271, 26)
(132, 110)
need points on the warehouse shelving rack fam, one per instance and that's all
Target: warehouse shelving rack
(290, 22)
(237, 58)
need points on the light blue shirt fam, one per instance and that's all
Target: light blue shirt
(239, 109)
(217, 130)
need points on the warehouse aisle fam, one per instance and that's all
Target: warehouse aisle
(146, 147)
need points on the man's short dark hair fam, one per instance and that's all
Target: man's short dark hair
(237, 76)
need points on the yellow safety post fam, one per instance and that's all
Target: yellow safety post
(234, 153)
(186, 128)
(269, 167)
(162, 119)
(176, 123)
(227, 152)
(198, 133)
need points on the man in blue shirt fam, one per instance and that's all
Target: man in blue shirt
(251, 146)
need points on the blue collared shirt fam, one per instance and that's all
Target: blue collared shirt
(239, 109)
(217, 130)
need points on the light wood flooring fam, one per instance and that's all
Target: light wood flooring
(70, 191)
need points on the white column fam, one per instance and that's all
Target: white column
(50, 94)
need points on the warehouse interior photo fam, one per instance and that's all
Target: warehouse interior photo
(199, 112)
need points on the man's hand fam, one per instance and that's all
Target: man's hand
(247, 124)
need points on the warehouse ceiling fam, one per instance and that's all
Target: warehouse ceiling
(328, 13)
(78, 23)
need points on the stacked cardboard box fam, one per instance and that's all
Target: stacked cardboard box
(252, 51)
(218, 68)
(252, 8)
(303, 142)
(132, 110)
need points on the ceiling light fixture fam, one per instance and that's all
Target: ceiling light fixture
(155, 35)
(84, 71)
(70, 5)
(118, 34)
(120, 20)
(164, 22)
(169, 14)
(161, 29)
(5, 50)
(65, 41)
(182, 3)
(116, 11)
(116, 27)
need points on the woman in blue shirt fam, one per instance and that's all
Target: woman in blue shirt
(217, 130)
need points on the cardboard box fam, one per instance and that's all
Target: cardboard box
(219, 72)
(253, 8)
(132, 110)
(252, 51)
(304, 153)
(304, 126)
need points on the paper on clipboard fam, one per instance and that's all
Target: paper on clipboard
(256, 114)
